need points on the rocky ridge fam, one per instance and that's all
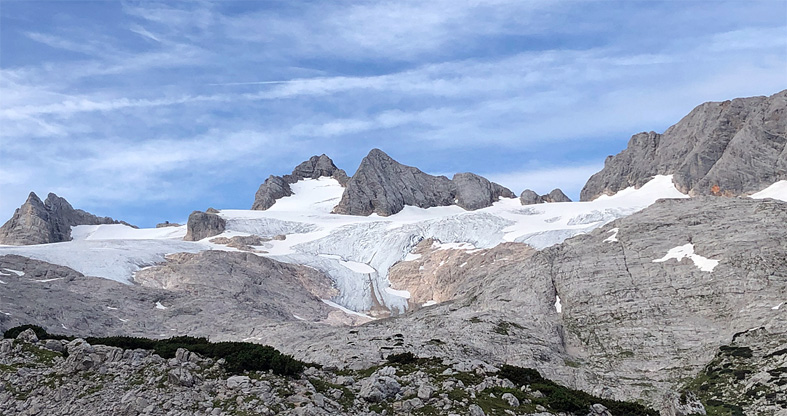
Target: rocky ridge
(735, 147)
(276, 187)
(384, 186)
(529, 197)
(50, 221)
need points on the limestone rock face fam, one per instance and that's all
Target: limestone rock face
(721, 148)
(475, 192)
(202, 225)
(529, 197)
(556, 196)
(384, 186)
(273, 188)
(316, 167)
(276, 187)
(50, 221)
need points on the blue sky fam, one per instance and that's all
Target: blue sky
(145, 111)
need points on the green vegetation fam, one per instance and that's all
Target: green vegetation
(239, 356)
(563, 399)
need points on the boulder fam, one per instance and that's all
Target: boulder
(202, 225)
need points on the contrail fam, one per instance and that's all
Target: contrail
(256, 82)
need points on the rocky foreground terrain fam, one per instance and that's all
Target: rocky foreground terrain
(73, 377)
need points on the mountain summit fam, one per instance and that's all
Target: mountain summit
(50, 221)
(729, 148)
(384, 186)
(276, 187)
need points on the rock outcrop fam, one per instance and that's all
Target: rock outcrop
(384, 186)
(276, 187)
(476, 192)
(204, 224)
(726, 148)
(529, 197)
(273, 188)
(50, 221)
(317, 167)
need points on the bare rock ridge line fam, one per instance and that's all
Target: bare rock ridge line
(728, 148)
(50, 221)
(276, 187)
(384, 186)
(529, 197)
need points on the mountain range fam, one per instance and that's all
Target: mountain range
(675, 256)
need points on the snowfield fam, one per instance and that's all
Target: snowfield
(356, 252)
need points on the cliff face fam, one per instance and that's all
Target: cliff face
(384, 186)
(50, 221)
(276, 187)
(734, 147)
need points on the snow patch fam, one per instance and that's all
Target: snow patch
(297, 317)
(401, 293)
(776, 308)
(776, 191)
(47, 280)
(558, 305)
(111, 308)
(429, 303)
(614, 237)
(453, 246)
(16, 272)
(687, 251)
(345, 310)
(160, 306)
(412, 257)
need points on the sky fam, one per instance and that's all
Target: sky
(146, 111)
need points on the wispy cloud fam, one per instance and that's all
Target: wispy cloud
(175, 104)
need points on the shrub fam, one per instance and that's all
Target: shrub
(403, 358)
(238, 356)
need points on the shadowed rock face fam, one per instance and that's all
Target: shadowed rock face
(276, 187)
(273, 188)
(529, 197)
(721, 148)
(202, 225)
(475, 192)
(384, 186)
(50, 221)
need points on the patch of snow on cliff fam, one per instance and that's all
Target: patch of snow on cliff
(412, 257)
(614, 237)
(345, 310)
(160, 306)
(687, 251)
(776, 191)
(401, 293)
(16, 272)
(558, 305)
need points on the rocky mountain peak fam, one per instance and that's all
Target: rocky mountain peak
(276, 187)
(383, 186)
(734, 147)
(50, 221)
(529, 197)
